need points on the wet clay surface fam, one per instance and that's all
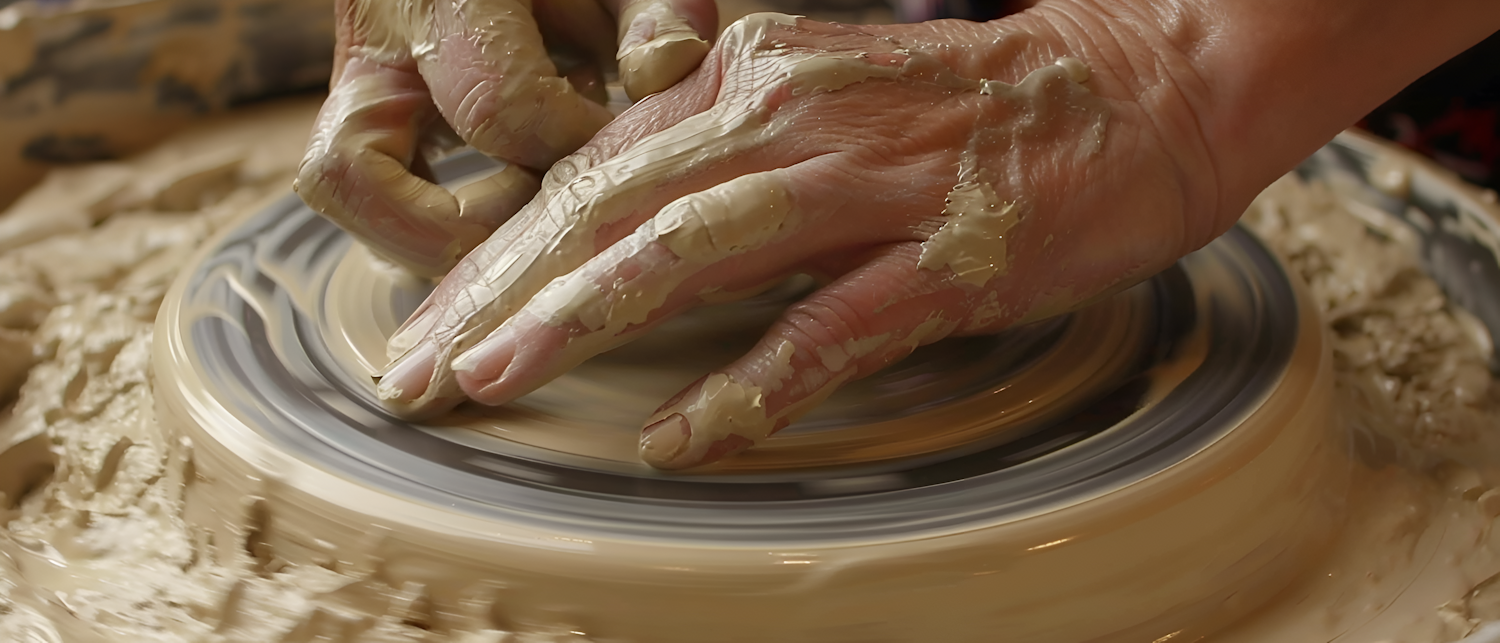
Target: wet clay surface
(97, 545)
(832, 550)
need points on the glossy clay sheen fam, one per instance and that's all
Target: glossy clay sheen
(106, 549)
(630, 382)
(1129, 556)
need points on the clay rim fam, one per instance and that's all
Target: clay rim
(1010, 482)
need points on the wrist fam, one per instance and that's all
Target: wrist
(1280, 78)
(1139, 55)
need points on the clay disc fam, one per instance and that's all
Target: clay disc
(1002, 483)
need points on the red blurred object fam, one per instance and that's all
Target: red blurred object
(1451, 115)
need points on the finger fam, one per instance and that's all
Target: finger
(490, 77)
(662, 41)
(491, 199)
(356, 173)
(651, 115)
(698, 241)
(493, 285)
(559, 231)
(585, 207)
(851, 328)
(366, 163)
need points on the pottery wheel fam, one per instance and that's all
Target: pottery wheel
(1006, 483)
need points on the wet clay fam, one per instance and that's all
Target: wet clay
(96, 547)
(118, 531)
(1418, 555)
(619, 564)
(570, 576)
(983, 207)
(1041, 564)
(101, 79)
(657, 47)
(1097, 349)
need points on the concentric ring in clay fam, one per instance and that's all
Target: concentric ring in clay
(1158, 463)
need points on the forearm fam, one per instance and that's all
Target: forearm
(1285, 76)
(1235, 92)
(1243, 90)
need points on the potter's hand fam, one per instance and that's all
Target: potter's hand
(409, 75)
(938, 202)
(948, 178)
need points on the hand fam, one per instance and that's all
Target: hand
(411, 77)
(945, 178)
(937, 202)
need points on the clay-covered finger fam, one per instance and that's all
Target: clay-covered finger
(414, 385)
(586, 207)
(694, 243)
(849, 329)
(582, 210)
(357, 173)
(662, 41)
(487, 67)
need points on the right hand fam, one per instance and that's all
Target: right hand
(946, 179)
(410, 77)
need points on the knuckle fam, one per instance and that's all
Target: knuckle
(320, 165)
(322, 179)
(497, 112)
(567, 169)
(824, 319)
(749, 32)
(476, 110)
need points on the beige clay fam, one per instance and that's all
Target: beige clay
(982, 208)
(657, 47)
(563, 579)
(106, 549)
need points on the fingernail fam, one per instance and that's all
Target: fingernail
(663, 441)
(656, 22)
(409, 378)
(494, 389)
(412, 331)
(658, 50)
(484, 360)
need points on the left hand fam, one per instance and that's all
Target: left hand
(411, 79)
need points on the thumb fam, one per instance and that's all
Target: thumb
(662, 41)
(865, 321)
